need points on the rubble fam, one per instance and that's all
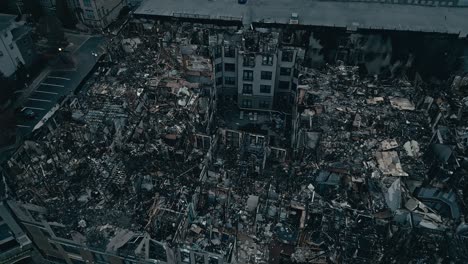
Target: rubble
(143, 162)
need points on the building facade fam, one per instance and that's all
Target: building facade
(16, 45)
(255, 71)
(415, 2)
(96, 13)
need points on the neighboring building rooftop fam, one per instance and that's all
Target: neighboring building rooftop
(351, 15)
(20, 31)
(5, 20)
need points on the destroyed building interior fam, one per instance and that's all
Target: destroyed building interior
(147, 164)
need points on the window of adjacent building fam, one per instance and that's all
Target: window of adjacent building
(248, 75)
(247, 88)
(229, 52)
(87, 3)
(249, 61)
(246, 103)
(219, 67)
(230, 67)
(265, 88)
(219, 81)
(89, 14)
(283, 85)
(267, 60)
(230, 80)
(264, 104)
(266, 75)
(285, 71)
(287, 55)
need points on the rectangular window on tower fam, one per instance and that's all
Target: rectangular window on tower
(217, 52)
(229, 52)
(266, 75)
(247, 88)
(249, 61)
(265, 88)
(267, 60)
(230, 67)
(219, 67)
(246, 103)
(285, 71)
(230, 80)
(248, 75)
(283, 85)
(287, 55)
(219, 81)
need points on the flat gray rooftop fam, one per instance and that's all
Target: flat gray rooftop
(6, 20)
(317, 13)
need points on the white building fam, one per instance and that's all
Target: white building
(254, 70)
(16, 45)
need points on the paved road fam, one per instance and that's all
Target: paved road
(357, 15)
(58, 83)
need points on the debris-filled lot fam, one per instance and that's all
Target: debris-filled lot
(371, 170)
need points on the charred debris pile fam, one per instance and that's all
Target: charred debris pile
(375, 171)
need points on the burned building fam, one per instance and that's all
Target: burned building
(255, 68)
(157, 159)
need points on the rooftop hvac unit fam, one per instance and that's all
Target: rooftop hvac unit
(294, 19)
